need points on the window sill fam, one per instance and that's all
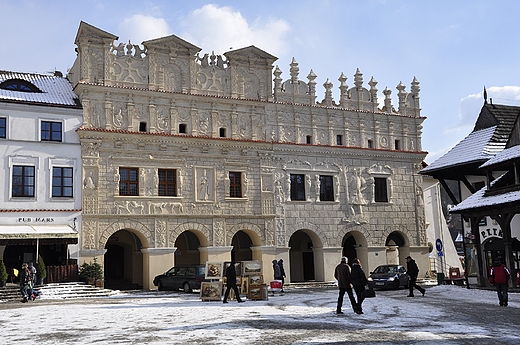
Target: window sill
(230, 199)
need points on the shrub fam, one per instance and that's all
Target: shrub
(91, 270)
(41, 269)
(3, 271)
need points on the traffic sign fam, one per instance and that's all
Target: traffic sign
(440, 253)
(438, 244)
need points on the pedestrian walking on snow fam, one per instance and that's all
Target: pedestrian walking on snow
(282, 272)
(499, 276)
(342, 274)
(231, 283)
(413, 272)
(359, 281)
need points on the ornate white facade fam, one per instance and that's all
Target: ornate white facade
(161, 106)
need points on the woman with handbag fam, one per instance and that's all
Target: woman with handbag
(359, 280)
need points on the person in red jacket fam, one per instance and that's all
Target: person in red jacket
(499, 276)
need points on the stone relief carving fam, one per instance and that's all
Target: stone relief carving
(160, 233)
(129, 207)
(280, 232)
(354, 190)
(89, 234)
(316, 187)
(269, 232)
(218, 233)
(88, 183)
(204, 186)
(165, 207)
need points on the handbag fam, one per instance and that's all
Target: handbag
(369, 293)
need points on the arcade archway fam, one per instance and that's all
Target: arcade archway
(123, 262)
(187, 252)
(302, 255)
(242, 244)
(394, 244)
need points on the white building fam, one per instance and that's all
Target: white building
(190, 158)
(40, 197)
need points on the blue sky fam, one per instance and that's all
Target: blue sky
(454, 48)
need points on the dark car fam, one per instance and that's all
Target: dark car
(388, 276)
(186, 278)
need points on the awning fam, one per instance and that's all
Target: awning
(37, 231)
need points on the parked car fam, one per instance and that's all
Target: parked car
(186, 278)
(388, 276)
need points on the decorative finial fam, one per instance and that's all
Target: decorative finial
(485, 95)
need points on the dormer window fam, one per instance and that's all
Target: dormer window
(19, 85)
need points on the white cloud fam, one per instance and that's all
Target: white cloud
(221, 29)
(139, 28)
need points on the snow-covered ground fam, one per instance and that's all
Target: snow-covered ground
(447, 314)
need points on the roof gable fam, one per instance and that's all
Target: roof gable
(87, 30)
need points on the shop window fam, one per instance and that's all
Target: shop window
(326, 188)
(235, 184)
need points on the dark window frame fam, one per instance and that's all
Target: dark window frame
(339, 139)
(129, 181)
(62, 182)
(3, 127)
(183, 128)
(297, 187)
(235, 184)
(54, 132)
(380, 189)
(326, 188)
(167, 182)
(24, 181)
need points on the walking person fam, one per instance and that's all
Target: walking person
(34, 277)
(359, 280)
(342, 275)
(282, 272)
(25, 281)
(499, 276)
(231, 283)
(413, 272)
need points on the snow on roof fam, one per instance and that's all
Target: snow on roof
(54, 90)
(479, 200)
(503, 156)
(477, 146)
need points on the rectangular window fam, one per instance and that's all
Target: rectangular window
(23, 181)
(309, 139)
(397, 145)
(62, 182)
(370, 144)
(51, 131)
(3, 127)
(128, 181)
(380, 190)
(339, 140)
(298, 187)
(167, 182)
(222, 132)
(235, 184)
(182, 128)
(326, 188)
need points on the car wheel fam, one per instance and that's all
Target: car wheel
(186, 287)
(160, 286)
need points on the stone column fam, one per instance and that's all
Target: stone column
(155, 262)
(325, 262)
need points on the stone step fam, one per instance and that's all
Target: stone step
(57, 291)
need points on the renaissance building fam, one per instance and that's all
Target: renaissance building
(190, 157)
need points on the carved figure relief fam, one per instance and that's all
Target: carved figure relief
(317, 187)
(357, 185)
(218, 233)
(204, 186)
(129, 207)
(88, 183)
(165, 207)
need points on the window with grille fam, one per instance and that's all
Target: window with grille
(50, 131)
(128, 181)
(23, 181)
(326, 188)
(167, 182)
(380, 189)
(62, 182)
(298, 187)
(235, 184)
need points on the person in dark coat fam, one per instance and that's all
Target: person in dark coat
(499, 276)
(413, 272)
(231, 283)
(359, 281)
(25, 282)
(282, 272)
(342, 274)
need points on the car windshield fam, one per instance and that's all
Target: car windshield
(386, 269)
